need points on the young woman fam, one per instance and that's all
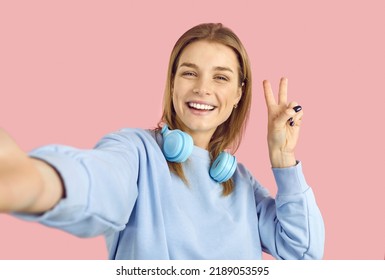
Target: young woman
(173, 192)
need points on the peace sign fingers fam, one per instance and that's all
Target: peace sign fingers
(283, 124)
(269, 95)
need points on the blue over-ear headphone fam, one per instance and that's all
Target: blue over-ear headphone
(178, 146)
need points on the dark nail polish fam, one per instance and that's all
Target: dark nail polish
(292, 123)
(290, 120)
(297, 108)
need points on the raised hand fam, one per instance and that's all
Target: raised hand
(283, 125)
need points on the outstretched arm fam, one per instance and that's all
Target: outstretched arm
(26, 184)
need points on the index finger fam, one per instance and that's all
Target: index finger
(269, 96)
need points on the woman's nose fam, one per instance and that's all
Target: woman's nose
(202, 87)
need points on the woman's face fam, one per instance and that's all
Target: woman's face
(206, 87)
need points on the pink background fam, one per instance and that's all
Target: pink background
(72, 71)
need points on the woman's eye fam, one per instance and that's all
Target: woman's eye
(222, 78)
(188, 74)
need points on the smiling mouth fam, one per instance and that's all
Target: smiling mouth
(201, 107)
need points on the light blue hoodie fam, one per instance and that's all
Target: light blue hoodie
(123, 189)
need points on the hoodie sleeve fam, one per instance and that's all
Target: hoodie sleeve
(100, 186)
(291, 225)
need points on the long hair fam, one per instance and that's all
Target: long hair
(228, 135)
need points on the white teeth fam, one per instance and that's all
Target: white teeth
(200, 106)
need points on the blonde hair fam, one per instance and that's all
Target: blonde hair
(223, 138)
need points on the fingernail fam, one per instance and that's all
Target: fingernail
(297, 108)
(289, 120)
(292, 123)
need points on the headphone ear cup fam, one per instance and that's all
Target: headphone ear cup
(177, 145)
(223, 167)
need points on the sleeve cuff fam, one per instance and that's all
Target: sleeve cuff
(290, 180)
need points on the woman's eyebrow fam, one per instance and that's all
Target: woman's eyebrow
(188, 64)
(217, 68)
(222, 68)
